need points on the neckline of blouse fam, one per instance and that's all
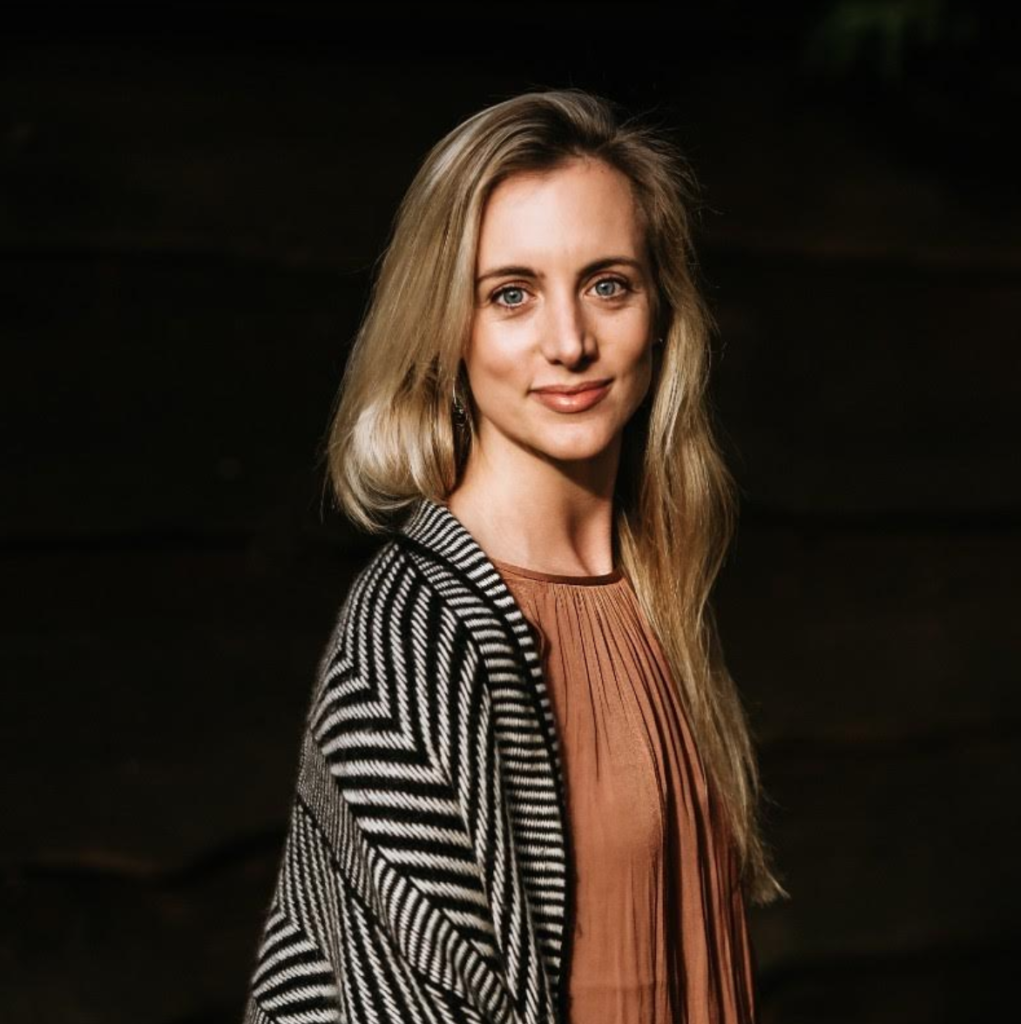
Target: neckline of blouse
(551, 577)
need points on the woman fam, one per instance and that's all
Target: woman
(527, 790)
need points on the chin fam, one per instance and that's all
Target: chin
(577, 450)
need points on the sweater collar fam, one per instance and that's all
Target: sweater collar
(433, 524)
(520, 692)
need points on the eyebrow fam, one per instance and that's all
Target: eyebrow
(591, 268)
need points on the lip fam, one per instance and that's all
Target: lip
(572, 389)
(573, 401)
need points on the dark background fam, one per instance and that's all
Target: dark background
(192, 199)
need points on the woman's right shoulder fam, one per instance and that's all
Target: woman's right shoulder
(394, 592)
(396, 609)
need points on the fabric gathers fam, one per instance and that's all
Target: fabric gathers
(660, 934)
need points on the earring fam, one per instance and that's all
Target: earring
(460, 413)
(658, 341)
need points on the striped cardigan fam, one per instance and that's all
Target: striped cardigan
(424, 871)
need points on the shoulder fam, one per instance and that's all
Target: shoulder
(398, 586)
(400, 660)
(409, 582)
(400, 626)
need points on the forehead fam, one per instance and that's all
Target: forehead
(576, 208)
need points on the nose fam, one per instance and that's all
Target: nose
(566, 334)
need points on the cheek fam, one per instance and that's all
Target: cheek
(491, 361)
(642, 373)
(639, 356)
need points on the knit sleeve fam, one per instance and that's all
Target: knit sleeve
(379, 911)
(326, 957)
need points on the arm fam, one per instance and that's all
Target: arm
(379, 911)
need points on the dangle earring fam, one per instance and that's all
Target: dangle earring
(460, 413)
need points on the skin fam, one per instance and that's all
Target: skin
(538, 487)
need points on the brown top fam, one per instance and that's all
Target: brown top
(660, 935)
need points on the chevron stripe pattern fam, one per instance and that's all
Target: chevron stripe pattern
(424, 876)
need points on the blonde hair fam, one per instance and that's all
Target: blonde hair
(393, 438)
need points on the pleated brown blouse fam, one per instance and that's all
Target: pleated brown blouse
(660, 934)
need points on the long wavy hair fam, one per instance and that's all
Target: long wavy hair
(394, 436)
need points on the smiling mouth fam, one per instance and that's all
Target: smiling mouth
(573, 401)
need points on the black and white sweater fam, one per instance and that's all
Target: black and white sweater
(424, 872)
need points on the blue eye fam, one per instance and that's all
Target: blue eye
(504, 291)
(612, 280)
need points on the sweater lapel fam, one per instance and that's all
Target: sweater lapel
(526, 738)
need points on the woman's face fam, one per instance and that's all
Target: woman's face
(563, 297)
